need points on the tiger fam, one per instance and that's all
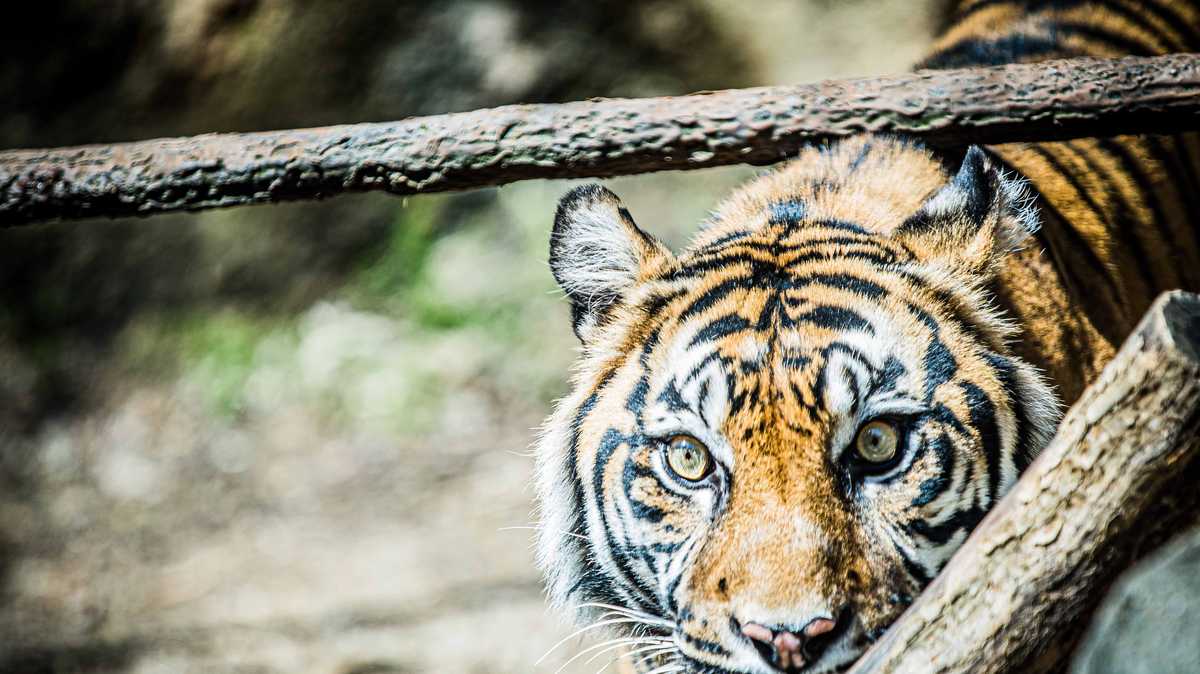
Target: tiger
(775, 438)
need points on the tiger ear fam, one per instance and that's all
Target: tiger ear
(974, 221)
(597, 253)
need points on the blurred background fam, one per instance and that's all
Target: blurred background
(293, 438)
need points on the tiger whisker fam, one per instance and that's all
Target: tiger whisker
(531, 527)
(641, 620)
(655, 651)
(578, 632)
(655, 654)
(631, 653)
(645, 643)
(604, 646)
(644, 617)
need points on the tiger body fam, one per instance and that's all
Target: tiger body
(778, 436)
(1118, 214)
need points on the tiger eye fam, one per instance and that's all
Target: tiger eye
(877, 442)
(688, 458)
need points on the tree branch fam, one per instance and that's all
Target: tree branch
(1046, 101)
(1120, 475)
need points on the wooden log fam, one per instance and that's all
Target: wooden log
(1052, 100)
(1121, 474)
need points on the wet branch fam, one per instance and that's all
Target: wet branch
(599, 138)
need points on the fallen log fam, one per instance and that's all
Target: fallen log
(1121, 475)
(1052, 100)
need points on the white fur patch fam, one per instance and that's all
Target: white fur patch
(595, 251)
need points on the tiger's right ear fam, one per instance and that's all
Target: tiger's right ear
(597, 253)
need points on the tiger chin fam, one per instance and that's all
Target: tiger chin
(778, 436)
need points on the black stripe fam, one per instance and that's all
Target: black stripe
(793, 358)
(855, 284)
(640, 509)
(724, 240)
(707, 259)
(930, 489)
(847, 350)
(851, 377)
(1152, 199)
(1137, 17)
(1123, 44)
(886, 260)
(641, 595)
(965, 12)
(719, 328)
(770, 310)
(915, 570)
(710, 647)
(1168, 15)
(983, 419)
(594, 582)
(973, 51)
(1133, 15)
(862, 155)
(1077, 244)
(672, 398)
(887, 378)
(723, 261)
(1184, 181)
(842, 225)
(838, 347)
(701, 400)
(834, 318)
(1138, 13)
(844, 233)
(938, 364)
(705, 362)
(940, 534)
(673, 585)
(637, 397)
(1124, 229)
(715, 294)
(1006, 372)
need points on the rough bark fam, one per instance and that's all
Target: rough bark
(1120, 475)
(1046, 101)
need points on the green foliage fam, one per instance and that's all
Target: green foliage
(215, 350)
(403, 256)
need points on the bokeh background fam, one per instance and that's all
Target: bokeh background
(294, 438)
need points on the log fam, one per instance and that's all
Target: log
(1119, 477)
(1052, 100)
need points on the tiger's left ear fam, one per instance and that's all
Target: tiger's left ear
(969, 225)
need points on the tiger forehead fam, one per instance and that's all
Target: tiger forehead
(795, 352)
(792, 275)
(872, 182)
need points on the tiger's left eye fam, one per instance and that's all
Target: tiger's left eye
(688, 458)
(877, 442)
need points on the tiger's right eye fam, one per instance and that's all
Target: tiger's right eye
(877, 442)
(688, 458)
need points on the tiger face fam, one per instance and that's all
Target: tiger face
(776, 438)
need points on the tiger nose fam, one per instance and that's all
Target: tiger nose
(789, 651)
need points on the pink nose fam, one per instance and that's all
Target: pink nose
(786, 650)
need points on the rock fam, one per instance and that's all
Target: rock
(1150, 621)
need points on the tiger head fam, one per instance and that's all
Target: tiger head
(776, 438)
